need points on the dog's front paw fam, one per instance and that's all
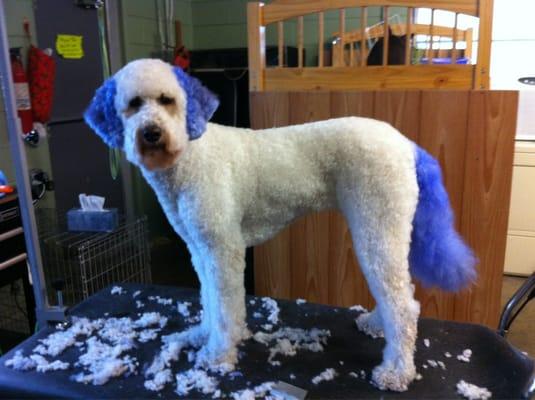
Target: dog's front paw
(220, 353)
(388, 376)
(221, 360)
(370, 323)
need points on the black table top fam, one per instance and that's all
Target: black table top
(495, 364)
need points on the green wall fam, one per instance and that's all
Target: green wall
(39, 157)
(140, 28)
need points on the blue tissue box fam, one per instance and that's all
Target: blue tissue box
(92, 221)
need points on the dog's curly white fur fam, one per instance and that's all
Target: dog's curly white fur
(232, 188)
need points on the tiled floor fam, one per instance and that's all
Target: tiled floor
(522, 332)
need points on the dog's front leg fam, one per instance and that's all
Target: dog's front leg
(220, 269)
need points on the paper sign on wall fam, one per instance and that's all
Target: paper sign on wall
(69, 46)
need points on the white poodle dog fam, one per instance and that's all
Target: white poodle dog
(225, 188)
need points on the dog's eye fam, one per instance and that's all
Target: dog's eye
(136, 102)
(165, 100)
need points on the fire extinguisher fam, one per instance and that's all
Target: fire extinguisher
(22, 91)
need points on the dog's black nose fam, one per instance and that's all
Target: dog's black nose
(151, 133)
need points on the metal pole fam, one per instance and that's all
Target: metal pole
(44, 311)
(112, 14)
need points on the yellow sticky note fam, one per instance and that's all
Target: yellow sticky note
(69, 46)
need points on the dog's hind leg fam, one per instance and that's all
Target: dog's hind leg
(380, 221)
(383, 259)
(371, 323)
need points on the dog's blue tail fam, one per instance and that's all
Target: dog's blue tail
(438, 255)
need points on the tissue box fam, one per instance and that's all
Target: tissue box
(92, 221)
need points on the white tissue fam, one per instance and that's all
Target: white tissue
(91, 202)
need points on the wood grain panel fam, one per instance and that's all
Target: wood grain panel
(401, 109)
(487, 190)
(443, 133)
(385, 37)
(482, 72)
(268, 109)
(273, 263)
(320, 39)
(425, 76)
(256, 41)
(309, 106)
(345, 104)
(310, 242)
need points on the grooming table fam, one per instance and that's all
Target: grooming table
(494, 364)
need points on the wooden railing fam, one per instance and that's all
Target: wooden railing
(352, 48)
(356, 74)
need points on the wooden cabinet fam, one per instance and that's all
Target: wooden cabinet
(520, 253)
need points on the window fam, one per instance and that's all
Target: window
(447, 19)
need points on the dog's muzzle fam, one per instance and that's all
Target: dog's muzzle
(151, 133)
(155, 147)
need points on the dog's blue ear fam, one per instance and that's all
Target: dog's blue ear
(102, 117)
(201, 103)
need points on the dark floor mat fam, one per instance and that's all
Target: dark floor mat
(494, 364)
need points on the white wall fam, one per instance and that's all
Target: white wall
(513, 56)
(513, 43)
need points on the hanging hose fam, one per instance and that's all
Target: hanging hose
(161, 34)
(235, 94)
(114, 155)
(170, 24)
(165, 13)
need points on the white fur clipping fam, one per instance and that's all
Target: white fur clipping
(117, 290)
(289, 340)
(260, 391)
(35, 361)
(328, 375)
(273, 309)
(195, 379)
(473, 392)
(159, 381)
(358, 308)
(465, 356)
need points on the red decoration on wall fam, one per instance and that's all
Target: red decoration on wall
(22, 91)
(41, 72)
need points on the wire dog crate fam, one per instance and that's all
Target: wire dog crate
(85, 262)
(13, 316)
